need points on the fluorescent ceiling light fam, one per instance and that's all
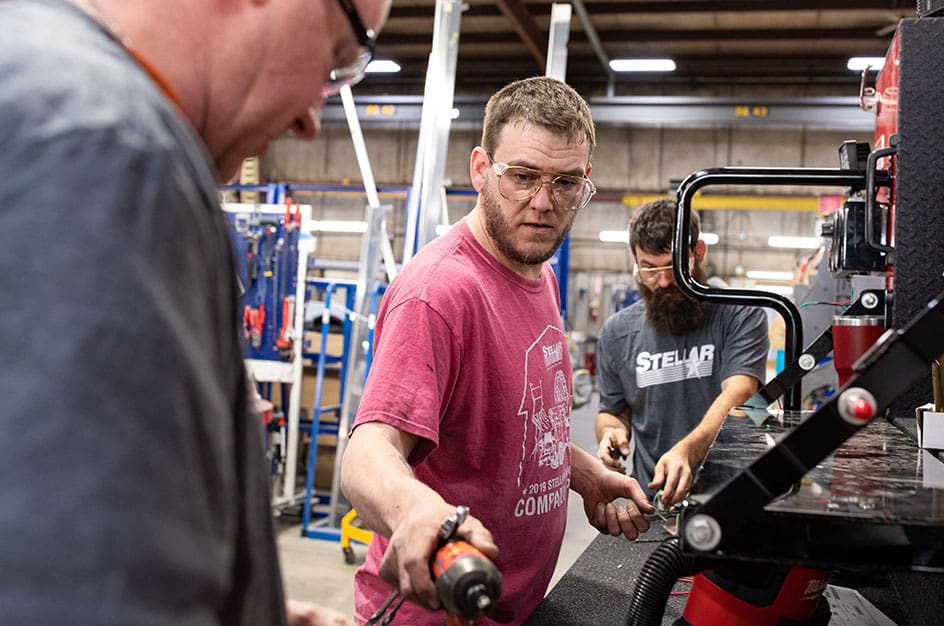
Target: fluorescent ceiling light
(778, 241)
(614, 236)
(642, 65)
(857, 64)
(622, 236)
(768, 275)
(442, 229)
(455, 114)
(339, 226)
(382, 66)
(783, 290)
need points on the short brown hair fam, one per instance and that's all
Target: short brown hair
(545, 102)
(652, 227)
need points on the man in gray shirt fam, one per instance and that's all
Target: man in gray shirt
(132, 471)
(670, 368)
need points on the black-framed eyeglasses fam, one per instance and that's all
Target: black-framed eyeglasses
(352, 73)
(519, 183)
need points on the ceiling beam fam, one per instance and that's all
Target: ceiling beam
(690, 6)
(654, 35)
(686, 112)
(517, 13)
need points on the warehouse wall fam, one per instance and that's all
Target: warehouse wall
(630, 160)
(627, 160)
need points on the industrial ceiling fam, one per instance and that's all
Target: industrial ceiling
(797, 47)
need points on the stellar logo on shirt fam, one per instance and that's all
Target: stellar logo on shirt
(675, 365)
(553, 354)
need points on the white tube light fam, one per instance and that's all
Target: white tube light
(857, 64)
(783, 290)
(642, 65)
(382, 66)
(622, 236)
(780, 241)
(339, 226)
(614, 236)
(769, 275)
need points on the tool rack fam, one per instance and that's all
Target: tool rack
(272, 246)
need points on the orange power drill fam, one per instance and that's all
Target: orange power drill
(467, 582)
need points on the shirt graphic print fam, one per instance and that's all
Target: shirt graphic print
(544, 470)
(674, 365)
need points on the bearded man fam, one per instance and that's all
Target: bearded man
(669, 368)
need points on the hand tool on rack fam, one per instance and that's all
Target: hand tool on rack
(285, 340)
(253, 323)
(467, 582)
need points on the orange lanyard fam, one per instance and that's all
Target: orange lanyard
(155, 75)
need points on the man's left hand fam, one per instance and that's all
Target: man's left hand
(674, 475)
(608, 513)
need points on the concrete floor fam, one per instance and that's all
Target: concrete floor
(314, 570)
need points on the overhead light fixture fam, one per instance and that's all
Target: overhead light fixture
(614, 236)
(339, 226)
(783, 290)
(622, 236)
(382, 66)
(769, 275)
(780, 241)
(442, 229)
(455, 113)
(857, 64)
(642, 65)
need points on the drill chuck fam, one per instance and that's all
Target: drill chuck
(467, 582)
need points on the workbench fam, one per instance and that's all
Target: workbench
(874, 478)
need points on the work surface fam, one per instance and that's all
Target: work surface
(598, 589)
(877, 475)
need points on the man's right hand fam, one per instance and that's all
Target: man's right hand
(405, 564)
(613, 448)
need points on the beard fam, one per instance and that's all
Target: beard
(670, 311)
(501, 233)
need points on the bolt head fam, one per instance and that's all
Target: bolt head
(703, 532)
(806, 361)
(857, 406)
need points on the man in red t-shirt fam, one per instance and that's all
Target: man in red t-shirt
(469, 395)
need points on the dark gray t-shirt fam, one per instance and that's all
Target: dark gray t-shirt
(132, 475)
(668, 382)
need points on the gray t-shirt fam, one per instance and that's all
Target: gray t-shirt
(132, 475)
(668, 382)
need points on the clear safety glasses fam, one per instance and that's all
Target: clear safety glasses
(519, 183)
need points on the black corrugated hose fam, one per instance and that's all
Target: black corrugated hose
(663, 567)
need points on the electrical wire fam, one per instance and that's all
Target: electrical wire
(842, 303)
(682, 579)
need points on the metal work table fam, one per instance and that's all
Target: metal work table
(868, 512)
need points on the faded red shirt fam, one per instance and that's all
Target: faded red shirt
(472, 358)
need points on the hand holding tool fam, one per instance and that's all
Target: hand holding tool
(615, 453)
(467, 582)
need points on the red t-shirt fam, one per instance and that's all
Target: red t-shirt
(472, 358)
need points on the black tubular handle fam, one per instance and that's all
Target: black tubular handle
(871, 175)
(793, 343)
